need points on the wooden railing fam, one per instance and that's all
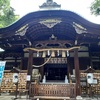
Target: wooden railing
(53, 90)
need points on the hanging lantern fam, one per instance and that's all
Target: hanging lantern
(53, 54)
(67, 53)
(37, 54)
(58, 53)
(63, 54)
(44, 54)
(48, 52)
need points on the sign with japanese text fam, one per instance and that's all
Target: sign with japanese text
(2, 67)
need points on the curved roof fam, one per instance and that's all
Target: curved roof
(40, 25)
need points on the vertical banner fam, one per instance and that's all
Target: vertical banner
(2, 67)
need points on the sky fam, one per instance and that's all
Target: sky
(81, 7)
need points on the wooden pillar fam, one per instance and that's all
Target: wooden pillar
(68, 68)
(20, 67)
(90, 56)
(16, 62)
(21, 63)
(16, 92)
(29, 68)
(77, 73)
(42, 69)
(42, 72)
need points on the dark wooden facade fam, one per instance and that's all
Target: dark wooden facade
(51, 29)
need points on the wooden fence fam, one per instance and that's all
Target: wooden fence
(53, 90)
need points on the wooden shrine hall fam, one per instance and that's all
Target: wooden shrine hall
(50, 46)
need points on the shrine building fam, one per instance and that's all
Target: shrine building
(59, 45)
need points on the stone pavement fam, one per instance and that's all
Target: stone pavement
(4, 97)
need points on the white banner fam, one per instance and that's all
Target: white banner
(2, 67)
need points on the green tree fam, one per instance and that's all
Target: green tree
(7, 15)
(95, 7)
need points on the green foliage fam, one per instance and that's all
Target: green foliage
(95, 7)
(7, 15)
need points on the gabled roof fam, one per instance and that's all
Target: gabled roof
(15, 70)
(89, 70)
